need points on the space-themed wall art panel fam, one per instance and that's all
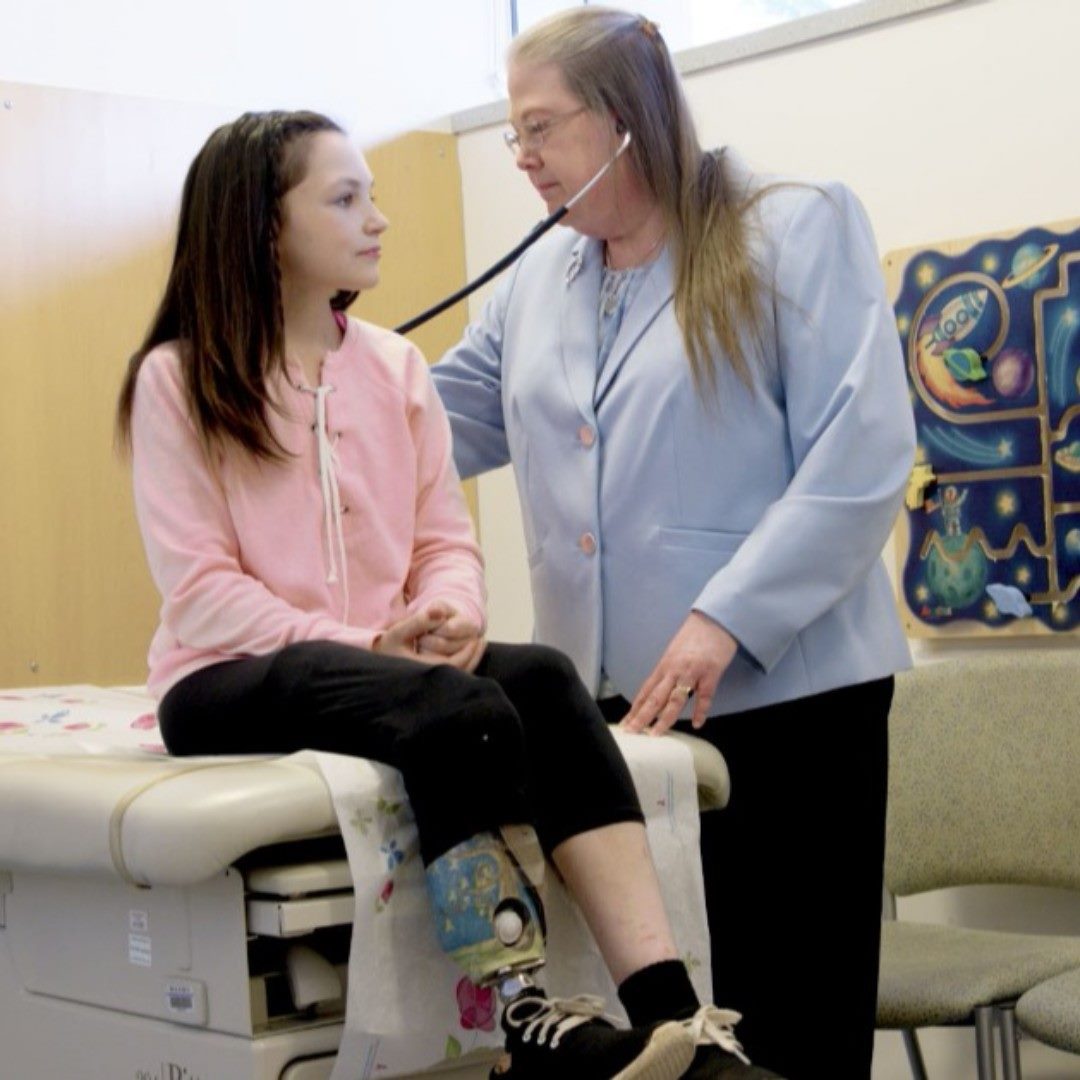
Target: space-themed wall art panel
(989, 538)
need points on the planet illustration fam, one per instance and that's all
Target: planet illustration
(955, 576)
(938, 334)
(1029, 265)
(965, 365)
(1009, 600)
(1013, 372)
(1072, 541)
(1068, 457)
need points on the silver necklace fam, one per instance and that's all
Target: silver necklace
(612, 286)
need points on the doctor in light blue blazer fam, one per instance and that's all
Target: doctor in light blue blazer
(700, 387)
(765, 509)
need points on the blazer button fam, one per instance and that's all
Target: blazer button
(587, 543)
(586, 435)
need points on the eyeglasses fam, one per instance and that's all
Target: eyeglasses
(532, 135)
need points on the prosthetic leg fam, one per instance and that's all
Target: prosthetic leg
(485, 893)
(488, 912)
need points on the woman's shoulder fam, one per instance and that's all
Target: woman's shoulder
(748, 178)
(558, 255)
(562, 247)
(775, 202)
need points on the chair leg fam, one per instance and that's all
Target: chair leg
(914, 1054)
(984, 1042)
(1010, 1042)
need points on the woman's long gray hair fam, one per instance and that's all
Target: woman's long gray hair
(618, 65)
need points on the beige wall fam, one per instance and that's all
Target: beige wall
(87, 192)
(418, 186)
(89, 185)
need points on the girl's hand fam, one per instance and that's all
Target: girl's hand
(693, 663)
(402, 638)
(457, 641)
(466, 658)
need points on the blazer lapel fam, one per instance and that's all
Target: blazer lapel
(579, 335)
(654, 294)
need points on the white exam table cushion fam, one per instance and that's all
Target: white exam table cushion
(84, 788)
(170, 821)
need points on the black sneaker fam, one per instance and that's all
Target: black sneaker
(569, 1038)
(719, 1055)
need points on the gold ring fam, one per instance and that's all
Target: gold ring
(682, 691)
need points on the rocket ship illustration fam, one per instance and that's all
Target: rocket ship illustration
(939, 334)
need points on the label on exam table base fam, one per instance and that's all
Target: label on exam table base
(140, 950)
(185, 1001)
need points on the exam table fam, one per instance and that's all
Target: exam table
(181, 919)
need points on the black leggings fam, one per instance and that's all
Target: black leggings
(518, 742)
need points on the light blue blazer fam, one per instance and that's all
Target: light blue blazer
(766, 509)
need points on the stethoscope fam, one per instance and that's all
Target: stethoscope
(497, 268)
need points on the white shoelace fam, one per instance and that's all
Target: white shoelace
(711, 1026)
(554, 1017)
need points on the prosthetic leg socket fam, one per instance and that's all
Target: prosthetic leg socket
(488, 915)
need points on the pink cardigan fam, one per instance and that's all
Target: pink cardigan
(335, 544)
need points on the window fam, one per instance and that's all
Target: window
(689, 23)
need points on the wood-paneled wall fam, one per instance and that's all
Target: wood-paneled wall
(89, 186)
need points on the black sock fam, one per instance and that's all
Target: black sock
(661, 991)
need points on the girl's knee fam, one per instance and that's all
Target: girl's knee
(550, 675)
(553, 661)
(472, 724)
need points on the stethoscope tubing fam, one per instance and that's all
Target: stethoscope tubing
(497, 268)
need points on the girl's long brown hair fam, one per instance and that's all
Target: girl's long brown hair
(222, 302)
(617, 64)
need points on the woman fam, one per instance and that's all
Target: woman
(322, 588)
(700, 387)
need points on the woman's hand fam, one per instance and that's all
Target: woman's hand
(693, 663)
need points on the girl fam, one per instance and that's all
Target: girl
(322, 588)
